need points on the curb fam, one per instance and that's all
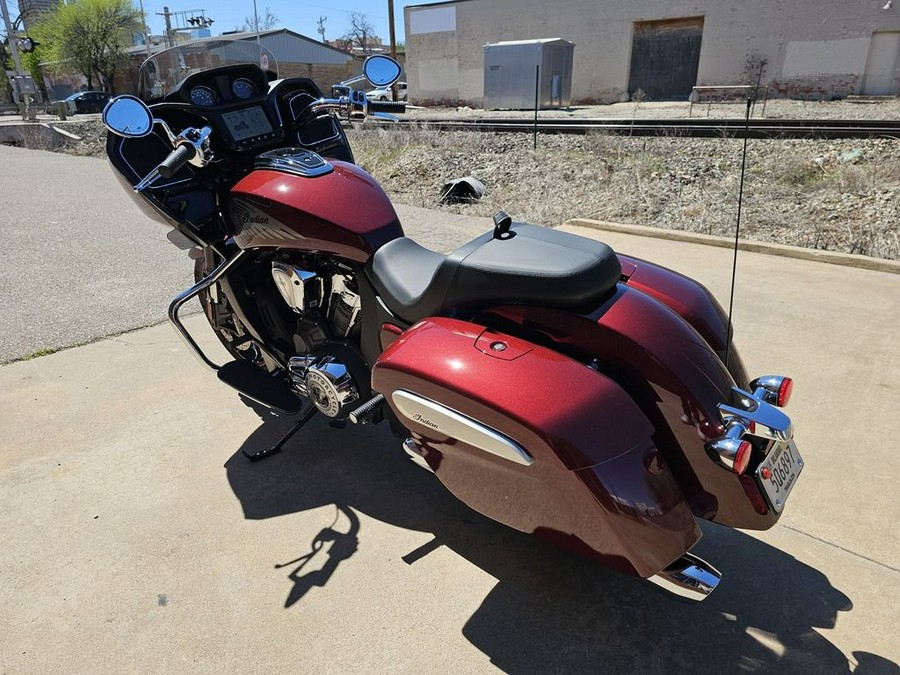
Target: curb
(796, 252)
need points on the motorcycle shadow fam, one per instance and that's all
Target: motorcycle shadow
(550, 611)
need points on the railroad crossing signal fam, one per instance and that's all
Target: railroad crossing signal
(27, 44)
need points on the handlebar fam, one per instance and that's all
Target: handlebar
(180, 156)
(395, 107)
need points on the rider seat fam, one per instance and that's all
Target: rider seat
(527, 265)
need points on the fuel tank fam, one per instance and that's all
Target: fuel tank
(538, 441)
(296, 199)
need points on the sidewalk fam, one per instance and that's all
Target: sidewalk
(137, 538)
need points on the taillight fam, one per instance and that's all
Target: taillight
(732, 453)
(774, 389)
(784, 392)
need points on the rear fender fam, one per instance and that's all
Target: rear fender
(576, 462)
(669, 370)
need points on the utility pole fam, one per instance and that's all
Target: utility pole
(14, 49)
(186, 20)
(146, 29)
(393, 41)
(321, 28)
(165, 13)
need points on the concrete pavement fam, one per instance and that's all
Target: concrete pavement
(137, 538)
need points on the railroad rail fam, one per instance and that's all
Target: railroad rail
(686, 127)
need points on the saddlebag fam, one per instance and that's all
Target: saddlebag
(538, 441)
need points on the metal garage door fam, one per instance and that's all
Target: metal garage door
(665, 56)
(881, 69)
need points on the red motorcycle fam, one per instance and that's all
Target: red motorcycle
(588, 397)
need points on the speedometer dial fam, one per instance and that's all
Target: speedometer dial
(203, 96)
(243, 88)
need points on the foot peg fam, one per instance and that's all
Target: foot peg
(688, 577)
(361, 414)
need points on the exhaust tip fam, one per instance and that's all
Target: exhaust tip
(688, 577)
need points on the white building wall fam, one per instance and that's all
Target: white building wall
(814, 48)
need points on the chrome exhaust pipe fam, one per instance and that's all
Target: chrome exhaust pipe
(688, 577)
(409, 447)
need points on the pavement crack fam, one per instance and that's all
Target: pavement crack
(841, 548)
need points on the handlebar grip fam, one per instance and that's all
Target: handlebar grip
(395, 107)
(176, 159)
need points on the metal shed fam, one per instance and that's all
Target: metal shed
(513, 71)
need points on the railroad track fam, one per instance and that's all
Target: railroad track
(689, 127)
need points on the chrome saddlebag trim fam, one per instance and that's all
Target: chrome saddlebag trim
(456, 425)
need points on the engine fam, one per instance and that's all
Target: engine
(326, 302)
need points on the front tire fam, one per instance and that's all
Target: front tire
(227, 328)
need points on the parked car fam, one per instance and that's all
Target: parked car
(87, 102)
(384, 93)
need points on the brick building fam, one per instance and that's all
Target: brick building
(818, 49)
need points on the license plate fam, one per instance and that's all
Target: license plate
(778, 473)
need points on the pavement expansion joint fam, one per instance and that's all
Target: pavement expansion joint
(841, 548)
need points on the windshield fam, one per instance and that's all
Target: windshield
(162, 72)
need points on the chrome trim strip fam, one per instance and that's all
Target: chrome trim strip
(451, 423)
(688, 577)
(192, 292)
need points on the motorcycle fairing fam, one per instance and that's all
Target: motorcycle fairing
(596, 483)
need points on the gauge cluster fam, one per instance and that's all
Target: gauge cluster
(221, 87)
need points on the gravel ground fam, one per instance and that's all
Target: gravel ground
(832, 195)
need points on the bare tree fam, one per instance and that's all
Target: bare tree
(267, 21)
(361, 32)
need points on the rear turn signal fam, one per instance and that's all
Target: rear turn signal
(784, 392)
(731, 453)
(774, 389)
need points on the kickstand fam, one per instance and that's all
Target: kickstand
(305, 417)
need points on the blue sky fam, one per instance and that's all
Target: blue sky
(298, 15)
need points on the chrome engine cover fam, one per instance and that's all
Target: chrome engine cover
(326, 382)
(301, 289)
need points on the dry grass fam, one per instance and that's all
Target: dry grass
(805, 193)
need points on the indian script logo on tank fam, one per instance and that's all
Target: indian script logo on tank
(252, 223)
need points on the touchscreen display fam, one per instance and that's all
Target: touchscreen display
(247, 123)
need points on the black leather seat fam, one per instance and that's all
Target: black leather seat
(530, 265)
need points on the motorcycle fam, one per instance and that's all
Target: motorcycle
(585, 396)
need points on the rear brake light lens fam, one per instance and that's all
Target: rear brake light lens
(742, 457)
(784, 392)
(733, 454)
(773, 389)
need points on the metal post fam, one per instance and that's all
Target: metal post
(256, 24)
(537, 93)
(393, 40)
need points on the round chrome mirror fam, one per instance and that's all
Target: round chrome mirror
(381, 70)
(128, 116)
